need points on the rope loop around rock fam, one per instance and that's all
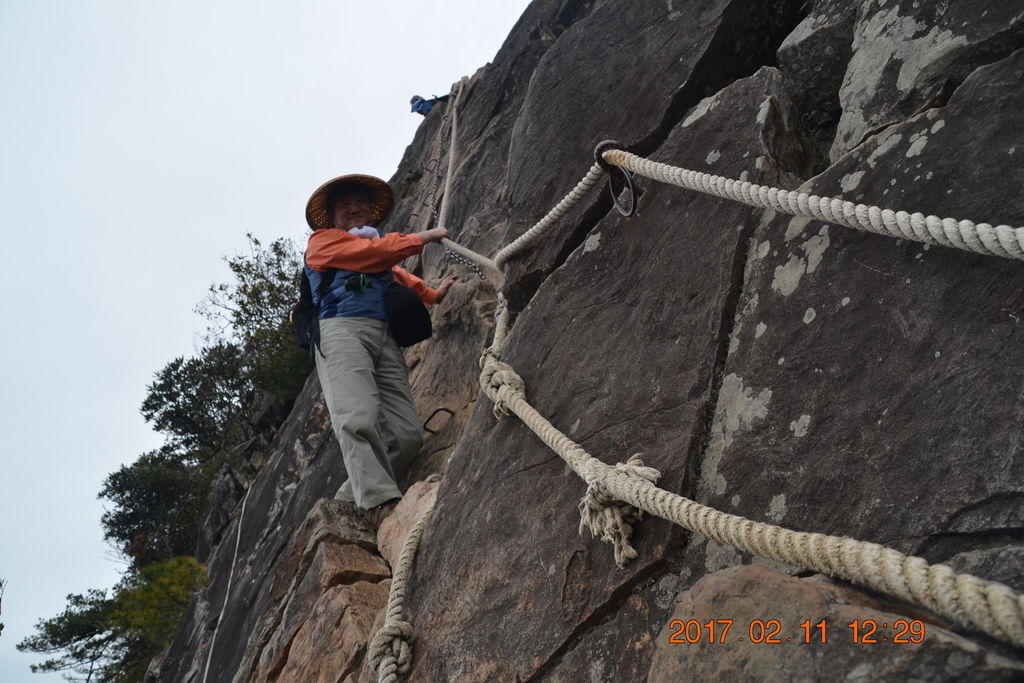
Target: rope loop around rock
(611, 519)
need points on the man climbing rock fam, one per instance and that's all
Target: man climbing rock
(359, 363)
(423, 106)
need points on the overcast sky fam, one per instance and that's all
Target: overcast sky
(140, 142)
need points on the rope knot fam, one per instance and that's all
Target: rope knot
(390, 654)
(611, 519)
(501, 383)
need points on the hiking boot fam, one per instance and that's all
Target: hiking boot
(377, 515)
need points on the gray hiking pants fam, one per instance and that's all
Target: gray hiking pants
(366, 386)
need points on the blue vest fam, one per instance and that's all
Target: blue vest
(345, 301)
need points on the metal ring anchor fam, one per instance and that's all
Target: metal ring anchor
(431, 417)
(610, 169)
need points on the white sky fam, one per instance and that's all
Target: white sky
(139, 142)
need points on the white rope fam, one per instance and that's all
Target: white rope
(539, 229)
(617, 495)
(984, 605)
(442, 219)
(610, 519)
(390, 652)
(531, 236)
(473, 256)
(982, 238)
(227, 592)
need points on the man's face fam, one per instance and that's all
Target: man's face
(351, 210)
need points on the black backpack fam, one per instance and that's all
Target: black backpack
(408, 318)
(304, 318)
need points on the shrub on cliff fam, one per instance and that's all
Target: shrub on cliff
(157, 507)
(100, 638)
(253, 312)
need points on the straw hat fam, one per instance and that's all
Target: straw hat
(381, 199)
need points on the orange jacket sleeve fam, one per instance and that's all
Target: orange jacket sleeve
(338, 249)
(404, 277)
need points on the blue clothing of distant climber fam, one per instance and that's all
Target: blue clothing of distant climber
(422, 106)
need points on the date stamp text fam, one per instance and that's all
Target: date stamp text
(772, 631)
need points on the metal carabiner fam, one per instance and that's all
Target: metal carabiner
(610, 169)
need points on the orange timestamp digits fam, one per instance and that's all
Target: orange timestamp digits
(903, 631)
(770, 631)
(717, 630)
(692, 631)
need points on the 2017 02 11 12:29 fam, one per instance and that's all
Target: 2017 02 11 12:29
(770, 631)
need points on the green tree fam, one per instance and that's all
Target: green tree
(113, 639)
(253, 313)
(157, 507)
(151, 604)
(81, 635)
(195, 402)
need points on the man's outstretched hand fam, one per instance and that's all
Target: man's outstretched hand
(433, 235)
(446, 284)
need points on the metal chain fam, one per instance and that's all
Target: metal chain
(448, 253)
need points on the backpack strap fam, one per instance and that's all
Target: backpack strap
(325, 281)
(306, 288)
(306, 294)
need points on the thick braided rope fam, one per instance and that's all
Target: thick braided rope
(453, 159)
(390, 652)
(988, 606)
(470, 255)
(453, 113)
(982, 238)
(530, 237)
(501, 325)
(984, 605)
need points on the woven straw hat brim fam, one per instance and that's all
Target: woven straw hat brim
(382, 200)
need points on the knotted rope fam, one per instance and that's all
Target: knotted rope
(981, 238)
(611, 519)
(501, 381)
(616, 496)
(984, 605)
(390, 652)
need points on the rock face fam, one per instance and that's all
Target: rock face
(781, 369)
(907, 57)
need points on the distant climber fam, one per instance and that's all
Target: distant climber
(422, 106)
(361, 368)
